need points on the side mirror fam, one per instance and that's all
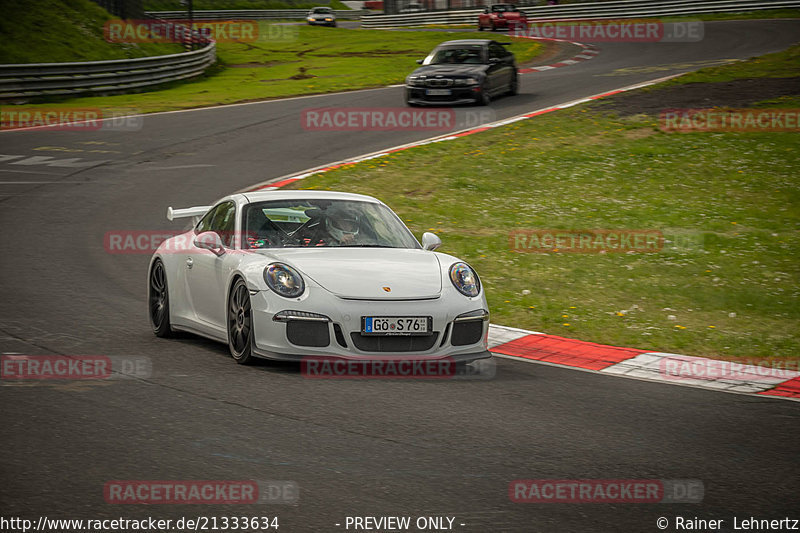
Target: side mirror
(419, 61)
(430, 241)
(210, 240)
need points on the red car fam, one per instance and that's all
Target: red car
(501, 16)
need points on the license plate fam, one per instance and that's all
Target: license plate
(396, 325)
(438, 92)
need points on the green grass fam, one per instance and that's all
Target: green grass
(44, 31)
(312, 60)
(175, 5)
(784, 64)
(728, 202)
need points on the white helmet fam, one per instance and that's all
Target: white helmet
(341, 223)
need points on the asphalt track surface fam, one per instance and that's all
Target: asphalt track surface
(355, 448)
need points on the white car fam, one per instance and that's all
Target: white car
(322, 16)
(290, 274)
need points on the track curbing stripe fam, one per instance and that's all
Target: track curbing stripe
(535, 347)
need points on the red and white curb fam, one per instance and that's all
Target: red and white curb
(589, 51)
(277, 183)
(676, 369)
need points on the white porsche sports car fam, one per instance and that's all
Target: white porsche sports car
(290, 274)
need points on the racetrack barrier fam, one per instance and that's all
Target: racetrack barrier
(582, 11)
(119, 75)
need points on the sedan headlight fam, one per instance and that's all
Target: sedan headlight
(465, 279)
(284, 280)
(466, 81)
(415, 80)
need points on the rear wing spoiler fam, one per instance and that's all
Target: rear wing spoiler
(194, 212)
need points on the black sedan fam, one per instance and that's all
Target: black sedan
(463, 71)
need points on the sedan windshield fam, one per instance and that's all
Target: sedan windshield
(321, 11)
(464, 55)
(333, 223)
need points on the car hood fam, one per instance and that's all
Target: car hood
(450, 70)
(364, 273)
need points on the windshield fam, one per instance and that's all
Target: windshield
(470, 55)
(333, 223)
(503, 8)
(321, 10)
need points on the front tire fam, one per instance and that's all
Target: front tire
(513, 86)
(240, 323)
(158, 300)
(484, 98)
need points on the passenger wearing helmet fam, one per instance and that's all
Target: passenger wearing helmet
(342, 225)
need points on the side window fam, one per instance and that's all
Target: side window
(205, 222)
(222, 220)
(498, 51)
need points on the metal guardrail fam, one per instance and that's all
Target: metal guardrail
(583, 11)
(44, 79)
(252, 14)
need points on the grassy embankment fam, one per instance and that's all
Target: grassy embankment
(55, 31)
(727, 284)
(291, 60)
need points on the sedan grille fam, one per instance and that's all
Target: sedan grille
(439, 82)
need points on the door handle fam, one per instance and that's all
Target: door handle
(189, 263)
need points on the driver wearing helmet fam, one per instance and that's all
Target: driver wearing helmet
(342, 225)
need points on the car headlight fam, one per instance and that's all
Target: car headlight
(414, 80)
(284, 280)
(466, 81)
(465, 279)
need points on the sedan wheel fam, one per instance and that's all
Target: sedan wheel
(240, 324)
(513, 86)
(484, 98)
(158, 300)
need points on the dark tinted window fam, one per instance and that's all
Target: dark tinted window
(463, 55)
(221, 220)
(495, 50)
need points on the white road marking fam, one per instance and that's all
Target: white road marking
(71, 162)
(37, 172)
(177, 167)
